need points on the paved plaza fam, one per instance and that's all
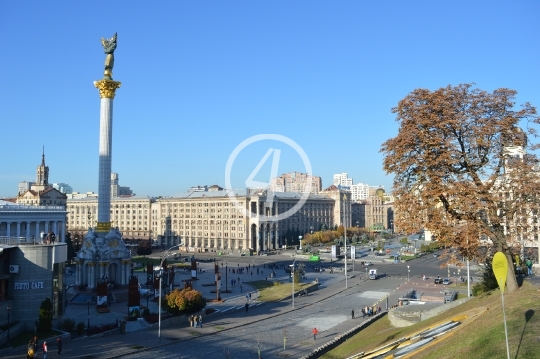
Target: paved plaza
(273, 328)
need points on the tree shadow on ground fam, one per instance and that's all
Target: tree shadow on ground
(528, 315)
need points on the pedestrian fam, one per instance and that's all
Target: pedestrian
(36, 345)
(195, 323)
(200, 321)
(379, 309)
(363, 312)
(59, 345)
(191, 321)
(315, 332)
(44, 349)
(529, 265)
(240, 288)
(250, 296)
(246, 306)
(352, 314)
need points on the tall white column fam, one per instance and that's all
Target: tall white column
(107, 89)
(8, 229)
(18, 229)
(27, 231)
(55, 228)
(46, 227)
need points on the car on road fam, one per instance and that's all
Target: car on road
(446, 281)
(367, 264)
(435, 255)
(438, 281)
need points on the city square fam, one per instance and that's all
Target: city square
(240, 128)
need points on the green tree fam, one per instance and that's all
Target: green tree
(70, 248)
(461, 171)
(45, 316)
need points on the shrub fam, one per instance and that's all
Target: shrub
(185, 300)
(45, 316)
(80, 328)
(68, 324)
(477, 289)
(276, 283)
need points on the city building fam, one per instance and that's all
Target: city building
(359, 192)
(296, 182)
(117, 190)
(31, 271)
(63, 187)
(212, 220)
(342, 179)
(41, 193)
(342, 212)
(376, 215)
(131, 215)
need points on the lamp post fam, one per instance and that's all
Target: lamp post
(8, 310)
(292, 280)
(165, 255)
(88, 327)
(408, 273)
(300, 240)
(226, 278)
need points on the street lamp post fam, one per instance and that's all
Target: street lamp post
(300, 240)
(88, 330)
(8, 310)
(292, 280)
(408, 273)
(165, 255)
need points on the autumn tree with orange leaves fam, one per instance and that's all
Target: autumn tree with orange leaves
(461, 170)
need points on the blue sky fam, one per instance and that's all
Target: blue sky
(200, 77)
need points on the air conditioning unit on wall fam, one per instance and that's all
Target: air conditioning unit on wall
(14, 268)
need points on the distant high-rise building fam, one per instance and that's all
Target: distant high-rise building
(342, 179)
(359, 192)
(25, 186)
(296, 182)
(63, 187)
(117, 190)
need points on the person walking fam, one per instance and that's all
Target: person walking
(44, 349)
(200, 321)
(247, 307)
(59, 345)
(195, 322)
(315, 332)
(352, 314)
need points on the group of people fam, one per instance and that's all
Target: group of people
(369, 311)
(195, 321)
(33, 347)
(47, 238)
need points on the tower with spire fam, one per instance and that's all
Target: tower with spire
(42, 172)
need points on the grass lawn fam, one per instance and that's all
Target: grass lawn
(482, 339)
(270, 292)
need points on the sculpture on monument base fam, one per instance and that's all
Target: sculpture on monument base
(109, 46)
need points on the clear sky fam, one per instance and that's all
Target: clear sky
(200, 77)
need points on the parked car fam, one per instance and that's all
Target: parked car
(446, 281)
(367, 264)
(438, 281)
(435, 255)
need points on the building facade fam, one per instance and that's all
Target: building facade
(30, 271)
(296, 182)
